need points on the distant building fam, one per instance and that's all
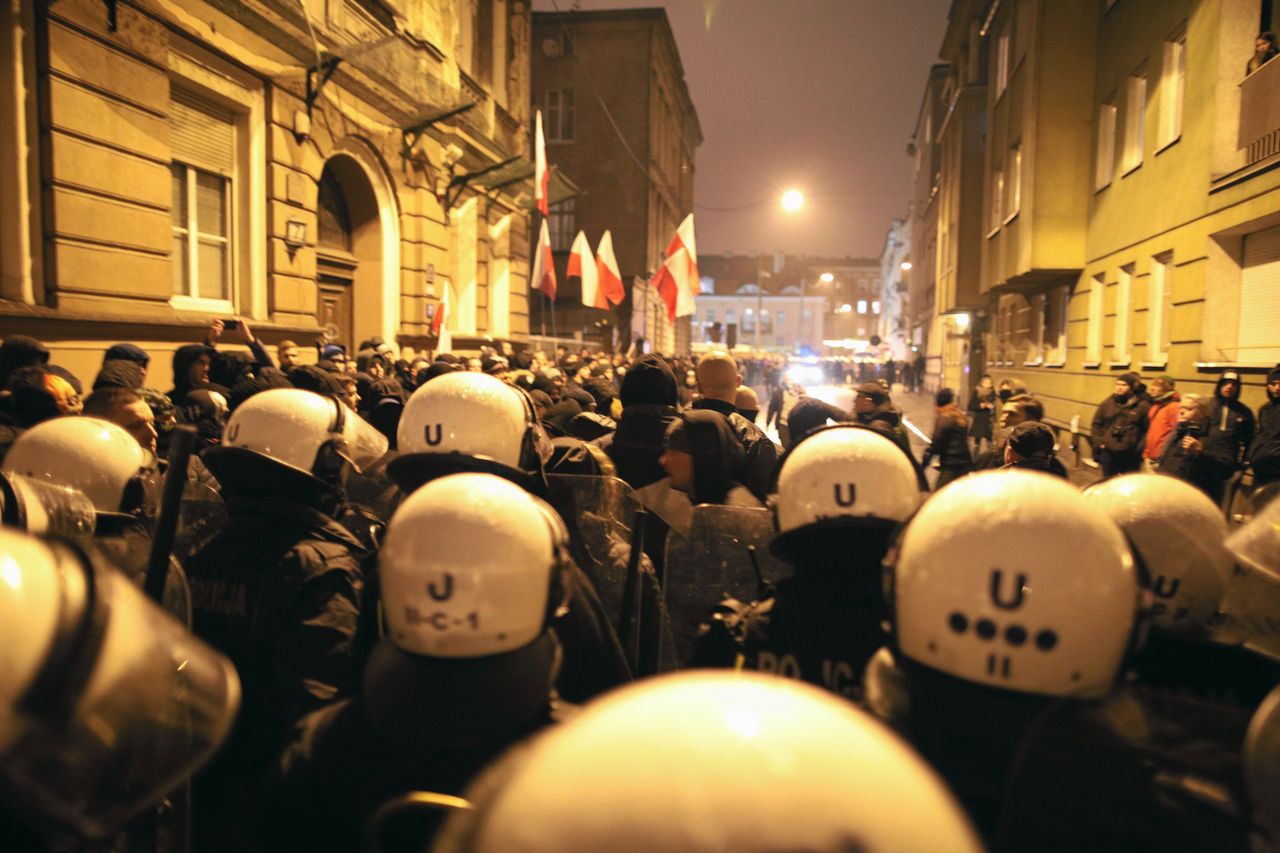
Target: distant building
(618, 118)
(167, 163)
(789, 303)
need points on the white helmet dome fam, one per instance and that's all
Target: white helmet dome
(1180, 535)
(1013, 579)
(30, 602)
(713, 761)
(472, 414)
(94, 456)
(77, 642)
(291, 426)
(467, 567)
(845, 472)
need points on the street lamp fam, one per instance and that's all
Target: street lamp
(792, 201)
(826, 278)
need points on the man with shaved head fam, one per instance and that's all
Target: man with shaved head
(747, 403)
(719, 383)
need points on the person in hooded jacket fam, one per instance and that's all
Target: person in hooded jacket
(648, 407)
(1119, 428)
(20, 351)
(950, 444)
(1231, 418)
(191, 363)
(703, 458)
(1264, 452)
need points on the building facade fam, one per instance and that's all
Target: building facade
(926, 323)
(895, 277)
(618, 118)
(1130, 194)
(844, 291)
(315, 168)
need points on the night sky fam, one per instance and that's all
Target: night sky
(821, 95)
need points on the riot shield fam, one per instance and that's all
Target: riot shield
(202, 517)
(714, 563)
(1261, 758)
(598, 512)
(45, 508)
(370, 490)
(1249, 615)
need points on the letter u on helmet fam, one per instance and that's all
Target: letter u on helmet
(1013, 579)
(1178, 534)
(840, 478)
(469, 422)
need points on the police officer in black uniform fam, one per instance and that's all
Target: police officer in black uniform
(841, 493)
(280, 589)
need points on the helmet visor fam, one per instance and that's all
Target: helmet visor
(46, 508)
(365, 445)
(1257, 544)
(157, 704)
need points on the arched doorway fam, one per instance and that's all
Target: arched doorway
(354, 272)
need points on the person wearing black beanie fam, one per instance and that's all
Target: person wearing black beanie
(1264, 452)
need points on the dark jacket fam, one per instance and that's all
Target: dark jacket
(821, 626)
(760, 454)
(889, 422)
(279, 591)
(1120, 425)
(981, 420)
(636, 444)
(1207, 470)
(1264, 452)
(950, 445)
(183, 358)
(1234, 422)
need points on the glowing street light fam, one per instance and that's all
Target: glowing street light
(826, 278)
(792, 201)
(906, 265)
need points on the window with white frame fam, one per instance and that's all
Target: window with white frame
(862, 306)
(730, 315)
(1014, 182)
(1002, 63)
(748, 319)
(875, 306)
(1173, 76)
(1120, 333)
(1037, 337)
(560, 115)
(1093, 342)
(711, 315)
(1105, 150)
(561, 224)
(997, 199)
(202, 139)
(1135, 110)
(1159, 307)
(1260, 298)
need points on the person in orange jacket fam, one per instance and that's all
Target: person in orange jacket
(1162, 419)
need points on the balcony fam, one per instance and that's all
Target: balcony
(1259, 135)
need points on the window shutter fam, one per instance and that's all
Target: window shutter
(201, 133)
(1260, 297)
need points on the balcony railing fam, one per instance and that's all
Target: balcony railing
(1259, 135)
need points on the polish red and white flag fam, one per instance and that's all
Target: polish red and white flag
(440, 323)
(544, 269)
(607, 271)
(583, 264)
(541, 177)
(677, 279)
